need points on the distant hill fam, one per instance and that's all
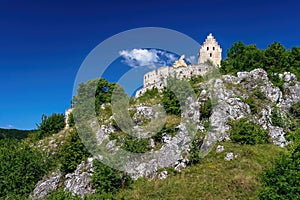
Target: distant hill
(14, 133)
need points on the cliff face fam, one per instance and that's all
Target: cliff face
(249, 94)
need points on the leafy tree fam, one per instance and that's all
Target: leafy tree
(98, 90)
(244, 131)
(242, 58)
(170, 102)
(21, 168)
(175, 94)
(275, 56)
(72, 153)
(71, 121)
(283, 180)
(275, 59)
(50, 125)
(294, 61)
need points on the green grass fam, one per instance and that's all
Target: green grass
(213, 178)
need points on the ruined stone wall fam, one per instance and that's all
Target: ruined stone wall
(158, 78)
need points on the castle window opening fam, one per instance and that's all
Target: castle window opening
(213, 48)
(207, 48)
(210, 54)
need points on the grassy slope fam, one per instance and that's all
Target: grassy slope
(213, 178)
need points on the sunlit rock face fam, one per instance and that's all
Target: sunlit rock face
(228, 93)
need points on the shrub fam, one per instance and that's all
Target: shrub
(62, 195)
(72, 153)
(50, 125)
(283, 180)
(71, 121)
(170, 102)
(136, 145)
(253, 104)
(276, 118)
(206, 109)
(149, 94)
(295, 110)
(195, 146)
(21, 168)
(107, 180)
(244, 131)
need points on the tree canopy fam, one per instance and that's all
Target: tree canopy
(274, 59)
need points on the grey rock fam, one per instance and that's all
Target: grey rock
(78, 182)
(163, 175)
(151, 143)
(220, 148)
(229, 156)
(47, 185)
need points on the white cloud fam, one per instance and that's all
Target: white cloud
(192, 59)
(151, 58)
(8, 126)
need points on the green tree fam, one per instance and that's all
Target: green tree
(275, 58)
(21, 168)
(50, 125)
(98, 91)
(294, 61)
(283, 180)
(170, 102)
(71, 120)
(72, 153)
(242, 58)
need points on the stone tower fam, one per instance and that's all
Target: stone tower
(210, 50)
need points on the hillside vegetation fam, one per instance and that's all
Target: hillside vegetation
(258, 169)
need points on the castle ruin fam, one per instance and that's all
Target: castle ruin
(210, 51)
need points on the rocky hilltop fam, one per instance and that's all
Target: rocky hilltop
(248, 95)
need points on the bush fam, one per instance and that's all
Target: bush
(244, 131)
(253, 104)
(170, 102)
(72, 153)
(295, 110)
(107, 180)
(21, 168)
(206, 109)
(50, 125)
(149, 94)
(136, 145)
(276, 118)
(62, 195)
(283, 180)
(195, 146)
(71, 120)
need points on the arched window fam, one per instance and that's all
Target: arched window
(210, 54)
(213, 48)
(207, 48)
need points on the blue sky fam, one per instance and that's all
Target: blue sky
(43, 43)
